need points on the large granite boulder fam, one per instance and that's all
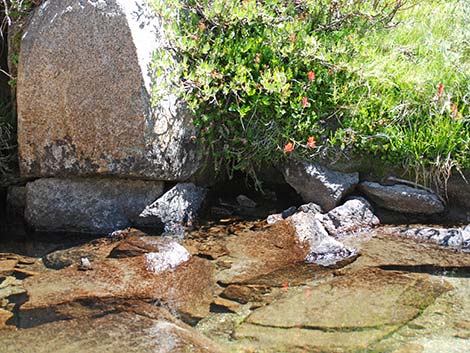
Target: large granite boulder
(84, 91)
(318, 184)
(402, 198)
(87, 205)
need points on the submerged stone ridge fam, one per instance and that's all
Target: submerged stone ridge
(84, 89)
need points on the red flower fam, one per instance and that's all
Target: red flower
(311, 75)
(289, 147)
(305, 102)
(292, 37)
(440, 90)
(454, 110)
(311, 143)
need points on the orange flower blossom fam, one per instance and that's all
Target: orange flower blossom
(305, 102)
(289, 147)
(311, 143)
(311, 75)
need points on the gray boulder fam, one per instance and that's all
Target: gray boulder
(318, 184)
(402, 198)
(324, 249)
(94, 206)
(355, 214)
(84, 91)
(175, 210)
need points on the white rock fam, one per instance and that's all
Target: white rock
(353, 215)
(324, 249)
(169, 256)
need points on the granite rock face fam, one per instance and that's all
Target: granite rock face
(84, 87)
(87, 205)
(402, 198)
(318, 184)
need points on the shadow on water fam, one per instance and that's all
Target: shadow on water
(458, 272)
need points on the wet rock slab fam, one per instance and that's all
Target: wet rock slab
(253, 254)
(152, 331)
(347, 313)
(187, 289)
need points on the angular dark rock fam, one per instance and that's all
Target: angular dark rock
(176, 208)
(318, 184)
(402, 198)
(87, 205)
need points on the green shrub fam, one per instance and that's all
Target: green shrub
(321, 78)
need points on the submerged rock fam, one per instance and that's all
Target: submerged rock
(87, 205)
(354, 215)
(187, 289)
(402, 198)
(93, 250)
(176, 209)
(318, 184)
(124, 332)
(85, 101)
(137, 243)
(345, 314)
(253, 254)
